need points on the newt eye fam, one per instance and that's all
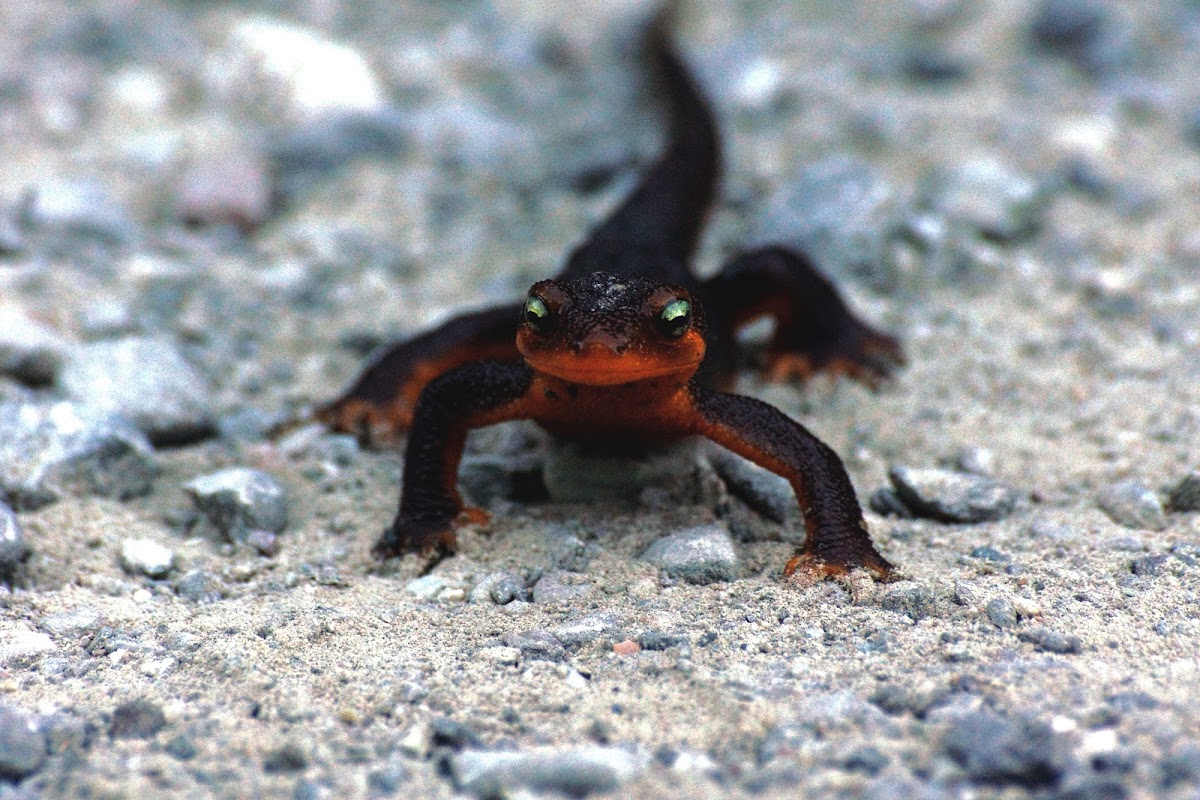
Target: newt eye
(537, 315)
(675, 318)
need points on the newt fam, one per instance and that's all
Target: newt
(627, 344)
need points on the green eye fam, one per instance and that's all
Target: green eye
(675, 318)
(537, 315)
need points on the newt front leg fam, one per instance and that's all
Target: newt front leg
(837, 541)
(471, 396)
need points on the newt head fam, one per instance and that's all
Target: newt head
(603, 330)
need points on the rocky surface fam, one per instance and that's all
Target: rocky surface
(211, 213)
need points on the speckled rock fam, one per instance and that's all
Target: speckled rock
(575, 772)
(997, 750)
(987, 197)
(22, 744)
(767, 493)
(238, 500)
(14, 549)
(77, 208)
(1185, 495)
(1088, 32)
(704, 554)
(952, 496)
(1133, 504)
(147, 557)
(278, 67)
(137, 719)
(52, 450)
(839, 211)
(29, 351)
(146, 381)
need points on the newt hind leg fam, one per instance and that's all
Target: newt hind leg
(379, 405)
(815, 331)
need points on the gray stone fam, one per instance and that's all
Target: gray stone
(586, 629)
(1087, 32)
(1052, 641)
(702, 555)
(916, 602)
(500, 588)
(147, 557)
(1133, 504)
(22, 744)
(537, 644)
(840, 212)
(1001, 612)
(137, 719)
(29, 351)
(986, 197)
(559, 587)
(1185, 495)
(1150, 566)
(575, 772)
(52, 450)
(239, 500)
(78, 208)
(952, 496)
(145, 381)
(14, 550)
(995, 749)
(767, 493)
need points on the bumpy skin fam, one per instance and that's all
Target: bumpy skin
(626, 344)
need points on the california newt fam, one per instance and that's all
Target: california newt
(627, 344)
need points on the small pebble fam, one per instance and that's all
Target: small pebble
(585, 629)
(575, 772)
(1052, 641)
(560, 587)
(989, 553)
(227, 188)
(317, 148)
(1001, 612)
(500, 588)
(537, 644)
(986, 197)
(138, 719)
(22, 744)
(700, 555)
(78, 209)
(239, 500)
(289, 757)
(1185, 496)
(147, 557)
(1134, 505)
(14, 549)
(50, 451)
(427, 587)
(146, 381)
(277, 67)
(952, 496)
(916, 602)
(506, 656)
(1026, 608)
(29, 350)
(1087, 32)
(627, 648)
(1150, 566)
(997, 750)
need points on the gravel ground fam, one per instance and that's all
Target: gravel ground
(210, 213)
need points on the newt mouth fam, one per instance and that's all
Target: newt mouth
(606, 372)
